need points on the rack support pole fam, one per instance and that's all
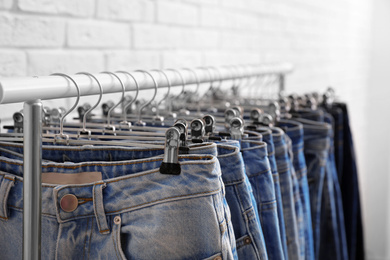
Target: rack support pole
(32, 166)
(281, 82)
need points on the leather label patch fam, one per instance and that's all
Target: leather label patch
(71, 178)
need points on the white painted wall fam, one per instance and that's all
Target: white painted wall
(375, 181)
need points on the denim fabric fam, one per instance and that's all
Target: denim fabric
(295, 131)
(297, 200)
(239, 195)
(267, 138)
(349, 184)
(156, 216)
(259, 172)
(334, 203)
(286, 187)
(338, 129)
(316, 145)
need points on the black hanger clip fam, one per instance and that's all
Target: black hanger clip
(182, 126)
(197, 130)
(170, 164)
(210, 128)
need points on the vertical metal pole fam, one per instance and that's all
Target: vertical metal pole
(32, 167)
(281, 82)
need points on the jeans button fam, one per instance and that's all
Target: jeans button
(117, 220)
(247, 241)
(69, 203)
(218, 258)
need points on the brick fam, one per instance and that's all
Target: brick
(212, 17)
(26, 31)
(70, 7)
(64, 61)
(6, 4)
(153, 36)
(200, 39)
(12, 63)
(178, 59)
(98, 34)
(135, 10)
(132, 60)
(177, 13)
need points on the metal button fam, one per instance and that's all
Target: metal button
(69, 203)
(247, 240)
(218, 258)
(117, 220)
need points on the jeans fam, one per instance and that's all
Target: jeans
(259, 172)
(239, 196)
(286, 188)
(349, 184)
(333, 206)
(133, 212)
(267, 138)
(316, 145)
(295, 132)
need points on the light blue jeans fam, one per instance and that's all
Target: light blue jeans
(134, 212)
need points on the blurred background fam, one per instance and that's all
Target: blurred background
(338, 43)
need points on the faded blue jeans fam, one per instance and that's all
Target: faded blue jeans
(258, 170)
(133, 212)
(286, 186)
(268, 138)
(295, 132)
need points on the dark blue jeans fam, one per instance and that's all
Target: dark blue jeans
(349, 184)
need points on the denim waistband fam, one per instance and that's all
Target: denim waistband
(294, 130)
(253, 135)
(254, 155)
(136, 184)
(267, 138)
(232, 164)
(315, 115)
(316, 134)
(56, 153)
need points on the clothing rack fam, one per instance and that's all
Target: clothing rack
(32, 90)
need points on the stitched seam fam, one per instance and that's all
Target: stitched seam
(118, 163)
(85, 239)
(96, 212)
(179, 196)
(146, 203)
(3, 218)
(113, 241)
(259, 173)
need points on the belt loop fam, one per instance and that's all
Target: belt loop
(5, 186)
(98, 207)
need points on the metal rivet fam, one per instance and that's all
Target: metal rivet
(69, 203)
(247, 240)
(218, 258)
(117, 220)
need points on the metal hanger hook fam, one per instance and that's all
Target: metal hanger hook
(136, 94)
(97, 103)
(183, 82)
(169, 87)
(154, 96)
(120, 101)
(75, 104)
(196, 78)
